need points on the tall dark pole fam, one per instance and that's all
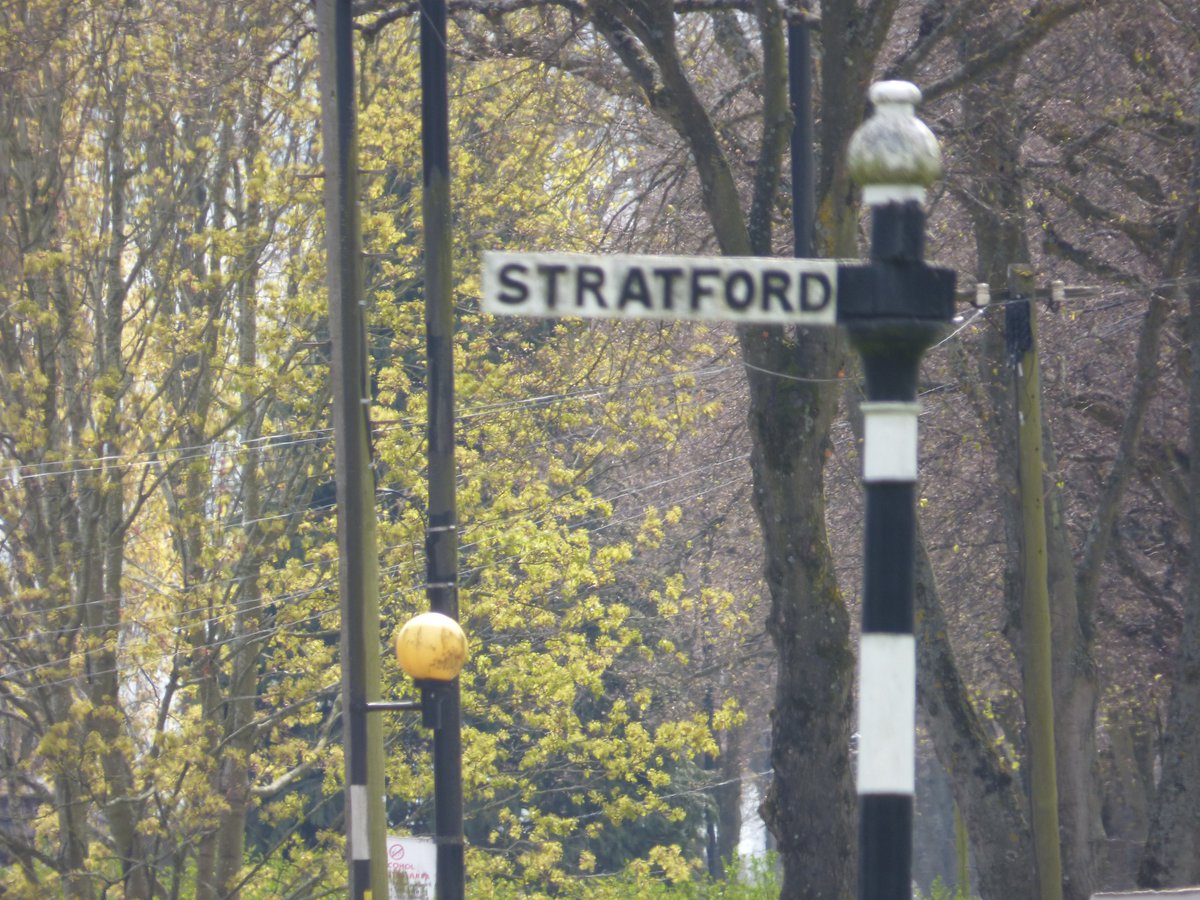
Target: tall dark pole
(800, 96)
(893, 309)
(441, 537)
(358, 565)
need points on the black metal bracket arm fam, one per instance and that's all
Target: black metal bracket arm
(430, 704)
(396, 706)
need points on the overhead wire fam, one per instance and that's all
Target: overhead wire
(227, 449)
(544, 399)
(309, 436)
(273, 442)
(383, 491)
(286, 440)
(332, 607)
(394, 570)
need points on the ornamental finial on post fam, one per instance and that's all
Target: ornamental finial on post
(894, 155)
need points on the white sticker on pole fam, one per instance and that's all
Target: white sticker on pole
(890, 440)
(780, 290)
(360, 847)
(887, 711)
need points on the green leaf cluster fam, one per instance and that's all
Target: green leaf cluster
(168, 558)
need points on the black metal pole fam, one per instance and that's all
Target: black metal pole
(893, 309)
(887, 652)
(800, 94)
(441, 539)
(357, 560)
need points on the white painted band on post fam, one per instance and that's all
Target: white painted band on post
(890, 440)
(883, 194)
(360, 846)
(887, 708)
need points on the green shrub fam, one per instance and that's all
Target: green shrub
(757, 880)
(939, 891)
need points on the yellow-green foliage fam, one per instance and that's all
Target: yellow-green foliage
(169, 582)
(554, 755)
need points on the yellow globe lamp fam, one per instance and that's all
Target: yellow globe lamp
(431, 647)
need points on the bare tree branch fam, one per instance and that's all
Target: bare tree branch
(1035, 27)
(386, 13)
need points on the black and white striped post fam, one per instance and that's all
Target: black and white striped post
(893, 308)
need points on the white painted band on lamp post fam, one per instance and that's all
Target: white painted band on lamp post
(890, 440)
(887, 672)
(880, 194)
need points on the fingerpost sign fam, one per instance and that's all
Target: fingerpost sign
(742, 289)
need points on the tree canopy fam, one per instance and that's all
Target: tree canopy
(659, 525)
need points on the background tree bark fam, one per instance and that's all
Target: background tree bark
(1172, 855)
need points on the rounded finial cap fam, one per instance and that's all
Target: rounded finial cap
(885, 92)
(894, 155)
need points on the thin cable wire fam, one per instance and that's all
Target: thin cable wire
(589, 393)
(328, 584)
(786, 377)
(580, 393)
(273, 443)
(208, 620)
(225, 449)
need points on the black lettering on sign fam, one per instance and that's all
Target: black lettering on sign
(739, 289)
(551, 273)
(775, 286)
(589, 280)
(668, 277)
(700, 290)
(515, 290)
(670, 287)
(815, 291)
(634, 290)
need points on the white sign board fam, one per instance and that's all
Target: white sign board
(779, 291)
(412, 868)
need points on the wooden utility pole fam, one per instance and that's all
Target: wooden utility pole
(358, 564)
(1021, 329)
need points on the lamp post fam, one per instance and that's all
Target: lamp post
(893, 308)
(441, 533)
(432, 649)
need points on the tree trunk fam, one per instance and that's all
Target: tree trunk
(239, 731)
(1172, 856)
(809, 806)
(729, 798)
(986, 790)
(793, 396)
(103, 580)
